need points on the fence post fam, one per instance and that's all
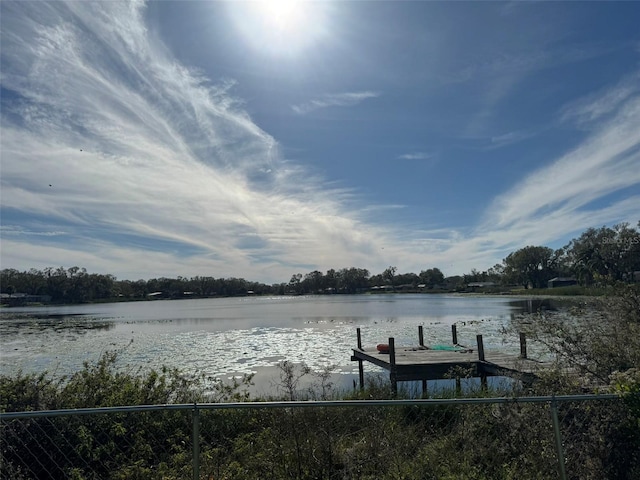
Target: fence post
(558, 438)
(196, 442)
(360, 365)
(392, 366)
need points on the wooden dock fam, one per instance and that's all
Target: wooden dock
(410, 363)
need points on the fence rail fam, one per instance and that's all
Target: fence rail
(521, 437)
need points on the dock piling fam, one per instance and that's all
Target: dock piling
(454, 334)
(480, 348)
(523, 345)
(420, 336)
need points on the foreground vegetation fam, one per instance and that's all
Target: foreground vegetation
(510, 441)
(595, 260)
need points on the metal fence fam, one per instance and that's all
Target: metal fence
(585, 436)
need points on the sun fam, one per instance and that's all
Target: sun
(281, 27)
(283, 15)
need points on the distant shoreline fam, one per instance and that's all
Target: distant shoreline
(568, 293)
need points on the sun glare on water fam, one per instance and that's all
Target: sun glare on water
(281, 27)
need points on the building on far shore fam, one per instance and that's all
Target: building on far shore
(480, 285)
(15, 299)
(561, 282)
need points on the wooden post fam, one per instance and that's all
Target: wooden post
(454, 334)
(392, 352)
(424, 388)
(480, 348)
(420, 336)
(392, 365)
(523, 345)
(360, 365)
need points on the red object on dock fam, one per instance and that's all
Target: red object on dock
(383, 347)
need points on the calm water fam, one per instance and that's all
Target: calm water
(228, 337)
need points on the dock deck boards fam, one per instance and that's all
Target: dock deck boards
(423, 363)
(420, 363)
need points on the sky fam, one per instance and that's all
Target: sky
(264, 139)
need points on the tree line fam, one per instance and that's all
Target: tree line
(599, 256)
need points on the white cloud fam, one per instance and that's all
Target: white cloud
(568, 195)
(415, 156)
(347, 99)
(136, 146)
(557, 201)
(596, 106)
(605, 163)
(509, 138)
(14, 230)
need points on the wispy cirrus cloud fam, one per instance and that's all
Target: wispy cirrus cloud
(600, 104)
(13, 230)
(415, 156)
(509, 138)
(578, 189)
(147, 163)
(347, 99)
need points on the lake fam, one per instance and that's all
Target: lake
(228, 337)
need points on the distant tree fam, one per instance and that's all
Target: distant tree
(313, 282)
(352, 280)
(604, 255)
(78, 286)
(294, 285)
(56, 283)
(454, 282)
(532, 265)
(406, 279)
(376, 280)
(389, 274)
(496, 273)
(475, 276)
(330, 280)
(432, 277)
(202, 286)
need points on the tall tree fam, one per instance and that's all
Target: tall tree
(530, 266)
(312, 282)
(352, 280)
(605, 255)
(389, 274)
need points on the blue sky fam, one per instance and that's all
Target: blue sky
(264, 139)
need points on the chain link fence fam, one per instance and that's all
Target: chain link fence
(565, 437)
